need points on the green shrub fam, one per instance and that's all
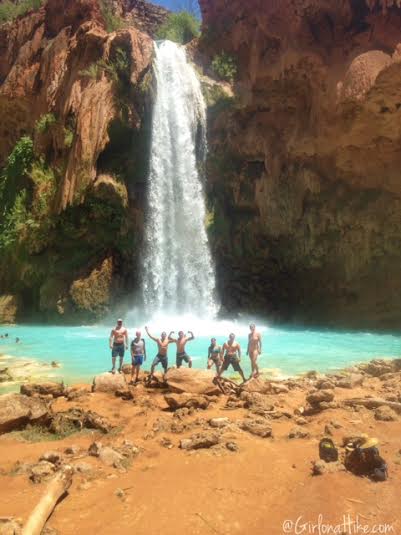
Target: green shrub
(116, 68)
(44, 122)
(13, 224)
(68, 137)
(180, 27)
(17, 166)
(225, 67)
(11, 10)
(91, 72)
(113, 22)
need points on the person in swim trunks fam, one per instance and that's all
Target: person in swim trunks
(181, 342)
(138, 354)
(254, 349)
(118, 342)
(162, 345)
(232, 356)
(213, 355)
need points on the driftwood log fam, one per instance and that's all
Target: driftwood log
(373, 403)
(55, 490)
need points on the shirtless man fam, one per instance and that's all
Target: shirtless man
(118, 343)
(138, 354)
(254, 349)
(162, 345)
(181, 342)
(213, 355)
(231, 355)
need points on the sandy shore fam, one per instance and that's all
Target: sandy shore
(254, 488)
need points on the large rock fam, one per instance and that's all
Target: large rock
(8, 308)
(17, 410)
(109, 382)
(379, 367)
(199, 441)
(43, 389)
(190, 401)
(256, 426)
(192, 381)
(320, 396)
(351, 381)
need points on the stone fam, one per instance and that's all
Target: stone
(320, 467)
(257, 402)
(42, 471)
(278, 388)
(257, 384)
(54, 390)
(385, 414)
(78, 419)
(109, 382)
(53, 457)
(83, 468)
(110, 457)
(9, 306)
(219, 422)
(257, 426)
(95, 449)
(351, 381)
(199, 441)
(301, 420)
(232, 446)
(298, 432)
(379, 367)
(328, 430)
(185, 400)
(17, 411)
(324, 384)
(320, 396)
(191, 381)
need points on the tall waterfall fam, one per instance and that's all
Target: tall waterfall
(178, 274)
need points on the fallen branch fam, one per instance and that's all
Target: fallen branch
(55, 490)
(373, 403)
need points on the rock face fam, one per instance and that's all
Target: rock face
(77, 94)
(16, 411)
(303, 168)
(191, 381)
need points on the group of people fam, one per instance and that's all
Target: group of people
(222, 357)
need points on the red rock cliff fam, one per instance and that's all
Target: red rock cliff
(304, 164)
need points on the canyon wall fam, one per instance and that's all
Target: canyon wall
(304, 168)
(74, 116)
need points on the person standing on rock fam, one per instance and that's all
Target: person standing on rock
(118, 344)
(138, 354)
(162, 345)
(213, 355)
(254, 349)
(231, 355)
(181, 342)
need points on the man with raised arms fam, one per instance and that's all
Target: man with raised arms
(118, 342)
(231, 355)
(181, 342)
(254, 349)
(162, 345)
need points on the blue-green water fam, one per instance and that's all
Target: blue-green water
(84, 352)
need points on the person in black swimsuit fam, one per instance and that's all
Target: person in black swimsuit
(213, 355)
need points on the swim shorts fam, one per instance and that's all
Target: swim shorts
(118, 349)
(160, 359)
(137, 360)
(182, 357)
(231, 361)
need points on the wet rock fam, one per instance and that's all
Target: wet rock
(17, 411)
(54, 390)
(256, 426)
(298, 432)
(109, 382)
(42, 471)
(53, 457)
(110, 457)
(199, 441)
(351, 381)
(219, 422)
(191, 381)
(232, 446)
(179, 401)
(320, 467)
(385, 414)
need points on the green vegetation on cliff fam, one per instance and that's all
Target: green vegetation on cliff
(180, 27)
(225, 67)
(11, 10)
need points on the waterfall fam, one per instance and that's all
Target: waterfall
(178, 274)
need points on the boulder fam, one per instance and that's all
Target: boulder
(190, 401)
(43, 389)
(219, 422)
(199, 441)
(385, 414)
(257, 426)
(351, 381)
(257, 402)
(109, 382)
(110, 457)
(17, 410)
(191, 381)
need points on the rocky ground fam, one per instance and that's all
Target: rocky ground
(182, 456)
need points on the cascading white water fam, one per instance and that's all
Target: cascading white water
(178, 274)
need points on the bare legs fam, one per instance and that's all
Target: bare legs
(254, 363)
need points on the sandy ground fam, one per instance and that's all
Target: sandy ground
(261, 489)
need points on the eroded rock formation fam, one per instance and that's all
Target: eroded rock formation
(304, 164)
